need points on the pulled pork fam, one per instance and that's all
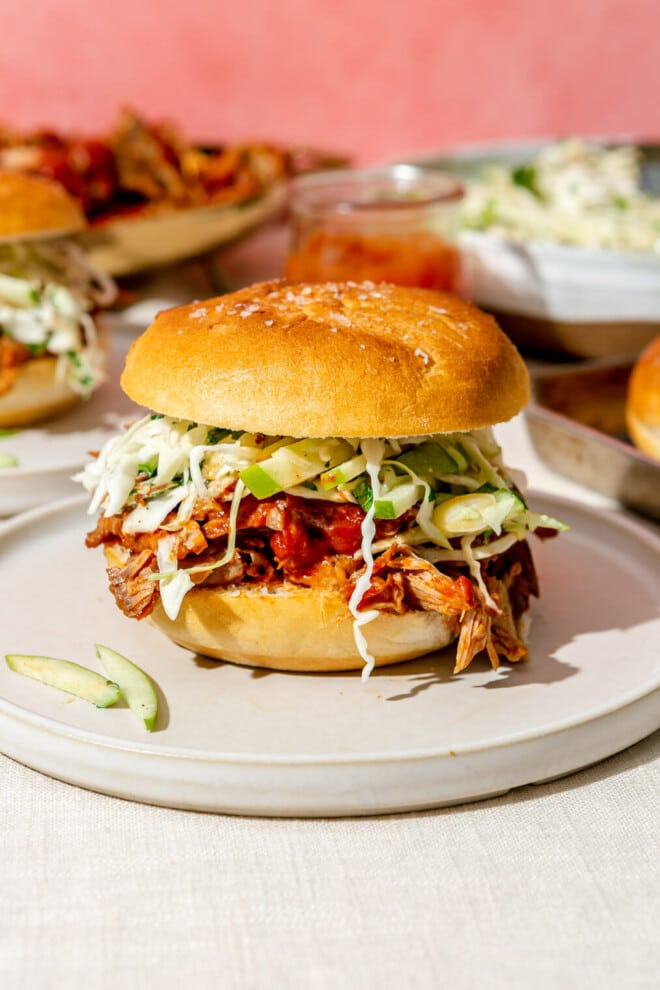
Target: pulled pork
(314, 543)
(12, 355)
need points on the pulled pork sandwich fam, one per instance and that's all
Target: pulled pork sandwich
(318, 487)
(50, 355)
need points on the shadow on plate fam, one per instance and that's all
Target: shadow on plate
(432, 670)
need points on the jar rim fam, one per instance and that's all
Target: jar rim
(391, 187)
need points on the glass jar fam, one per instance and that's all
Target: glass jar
(396, 224)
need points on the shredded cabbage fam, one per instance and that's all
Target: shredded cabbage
(47, 291)
(571, 192)
(373, 451)
(155, 471)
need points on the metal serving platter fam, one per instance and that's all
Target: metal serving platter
(576, 423)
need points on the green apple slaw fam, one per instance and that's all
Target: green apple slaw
(571, 192)
(460, 502)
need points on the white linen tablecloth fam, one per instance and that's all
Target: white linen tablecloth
(550, 886)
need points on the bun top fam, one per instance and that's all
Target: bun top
(32, 207)
(643, 403)
(329, 359)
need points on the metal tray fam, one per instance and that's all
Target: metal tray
(576, 423)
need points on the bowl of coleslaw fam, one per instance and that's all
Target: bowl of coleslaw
(561, 240)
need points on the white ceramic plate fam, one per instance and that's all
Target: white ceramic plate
(236, 740)
(50, 452)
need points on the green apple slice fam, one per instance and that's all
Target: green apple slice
(134, 684)
(291, 465)
(397, 500)
(344, 472)
(66, 676)
(432, 459)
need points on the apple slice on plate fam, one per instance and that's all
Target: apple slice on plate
(66, 676)
(135, 685)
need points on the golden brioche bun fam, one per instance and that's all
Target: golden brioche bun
(36, 393)
(643, 401)
(306, 360)
(32, 207)
(294, 628)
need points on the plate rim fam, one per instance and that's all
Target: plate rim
(26, 473)
(273, 191)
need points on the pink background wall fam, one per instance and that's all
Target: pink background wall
(375, 78)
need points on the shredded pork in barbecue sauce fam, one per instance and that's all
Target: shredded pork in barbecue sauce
(316, 543)
(12, 355)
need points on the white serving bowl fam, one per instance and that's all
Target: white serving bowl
(553, 297)
(565, 299)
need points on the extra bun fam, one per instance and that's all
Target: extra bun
(352, 360)
(643, 404)
(36, 393)
(295, 628)
(32, 207)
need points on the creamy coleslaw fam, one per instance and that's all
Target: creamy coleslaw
(47, 294)
(572, 192)
(462, 503)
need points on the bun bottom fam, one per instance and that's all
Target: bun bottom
(35, 394)
(295, 629)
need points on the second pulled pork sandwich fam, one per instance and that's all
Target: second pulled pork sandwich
(318, 487)
(50, 351)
